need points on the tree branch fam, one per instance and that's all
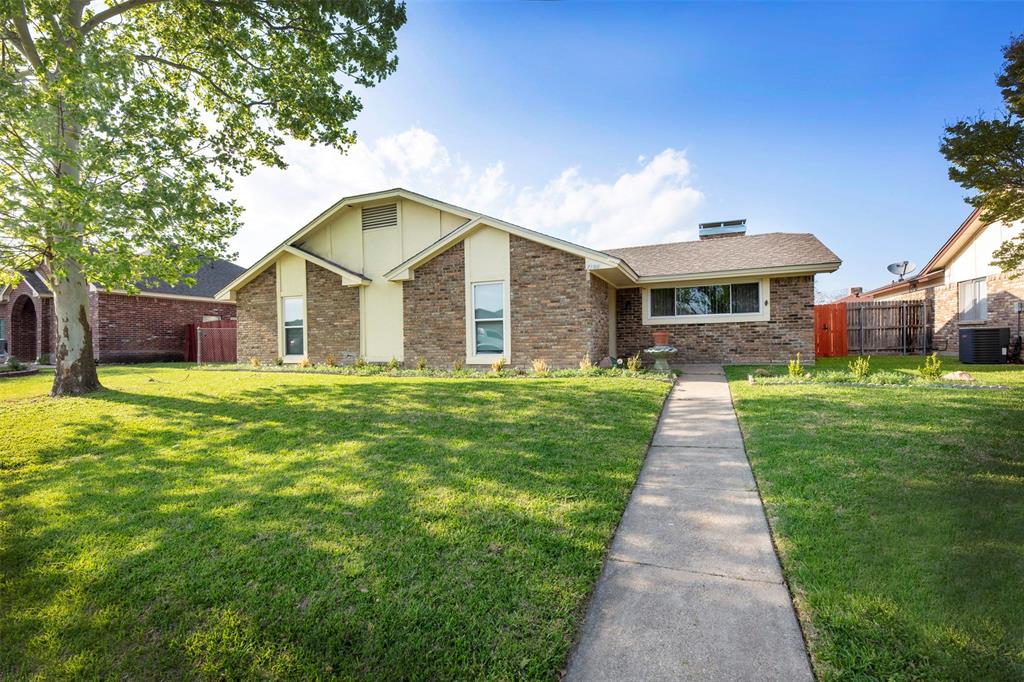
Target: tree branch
(25, 44)
(113, 11)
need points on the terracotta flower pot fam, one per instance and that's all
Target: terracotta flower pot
(660, 338)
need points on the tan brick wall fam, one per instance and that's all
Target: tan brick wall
(257, 318)
(333, 312)
(790, 329)
(434, 309)
(1003, 290)
(557, 307)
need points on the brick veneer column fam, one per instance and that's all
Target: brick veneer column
(558, 310)
(333, 312)
(790, 329)
(434, 310)
(257, 318)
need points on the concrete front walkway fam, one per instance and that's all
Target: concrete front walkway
(692, 588)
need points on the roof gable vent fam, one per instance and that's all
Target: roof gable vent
(723, 228)
(380, 216)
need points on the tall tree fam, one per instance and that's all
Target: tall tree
(987, 155)
(122, 124)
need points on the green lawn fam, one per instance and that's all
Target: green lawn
(234, 525)
(899, 514)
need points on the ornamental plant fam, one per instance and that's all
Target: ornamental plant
(932, 368)
(861, 367)
(796, 370)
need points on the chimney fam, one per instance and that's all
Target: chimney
(856, 291)
(724, 228)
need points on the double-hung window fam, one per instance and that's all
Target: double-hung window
(294, 325)
(713, 299)
(3, 336)
(489, 318)
(973, 300)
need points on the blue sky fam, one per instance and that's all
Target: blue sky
(798, 117)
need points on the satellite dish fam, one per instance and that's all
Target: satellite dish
(902, 268)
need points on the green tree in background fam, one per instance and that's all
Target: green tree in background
(987, 155)
(122, 125)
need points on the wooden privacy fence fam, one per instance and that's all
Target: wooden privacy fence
(867, 327)
(211, 341)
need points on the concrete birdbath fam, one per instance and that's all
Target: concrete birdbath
(661, 355)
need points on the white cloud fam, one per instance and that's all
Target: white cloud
(653, 202)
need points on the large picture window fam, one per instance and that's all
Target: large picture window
(294, 325)
(973, 300)
(714, 299)
(489, 318)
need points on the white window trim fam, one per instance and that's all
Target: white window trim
(762, 316)
(305, 331)
(960, 304)
(472, 358)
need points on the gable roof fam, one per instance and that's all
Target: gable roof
(775, 251)
(349, 278)
(210, 278)
(404, 269)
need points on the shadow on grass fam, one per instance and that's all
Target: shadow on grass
(900, 517)
(408, 529)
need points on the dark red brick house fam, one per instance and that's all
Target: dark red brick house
(148, 326)
(396, 274)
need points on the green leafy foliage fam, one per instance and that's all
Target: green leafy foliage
(796, 370)
(123, 124)
(932, 368)
(987, 155)
(860, 367)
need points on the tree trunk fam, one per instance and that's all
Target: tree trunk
(76, 367)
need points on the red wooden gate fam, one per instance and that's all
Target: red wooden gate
(830, 330)
(211, 341)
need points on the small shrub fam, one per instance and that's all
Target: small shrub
(861, 367)
(254, 362)
(796, 370)
(304, 363)
(331, 361)
(498, 364)
(932, 368)
(421, 363)
(457, 365)
(392, 364)
(634, 363)
(586, 365)
(540, 366)
(279, 362)
(888, 377)
(43, 359)
(13, 365)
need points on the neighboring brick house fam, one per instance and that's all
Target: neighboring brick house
(145, 327)
(397, 275)
(962, 285)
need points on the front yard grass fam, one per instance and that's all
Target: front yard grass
(237, 525)
(899, 515)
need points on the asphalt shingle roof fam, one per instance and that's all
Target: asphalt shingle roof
(748, 252)
(210, 278)
(35, 281)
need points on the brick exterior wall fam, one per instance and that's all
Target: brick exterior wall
(434, 310)
(27, 343)
(147, 328)
(333, 312)
(790, 329)
(1003, 291)
(257, 318)
(557, 310)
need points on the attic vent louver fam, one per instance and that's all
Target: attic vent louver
(380, 216)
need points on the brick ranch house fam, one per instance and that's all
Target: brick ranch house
(395, 274)
(962, 285)
(145, 327)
